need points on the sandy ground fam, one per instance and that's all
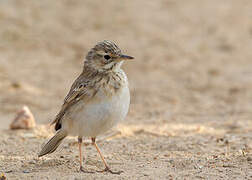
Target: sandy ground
(191, 83)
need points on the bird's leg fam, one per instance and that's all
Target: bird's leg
(104, 162)
(80, 153)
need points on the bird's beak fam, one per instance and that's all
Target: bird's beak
(125, 57)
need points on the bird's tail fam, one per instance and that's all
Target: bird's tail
(53, 143)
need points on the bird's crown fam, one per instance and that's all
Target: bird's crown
(104, 56)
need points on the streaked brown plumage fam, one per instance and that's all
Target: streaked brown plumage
(98, 98)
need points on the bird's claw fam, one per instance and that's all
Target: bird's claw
(107, 169)
(85, 171)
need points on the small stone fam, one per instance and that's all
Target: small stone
(32, 162)
(16, 85)
(23, 120)
(249, 159)
(2, 177)
(200, 167)
(171, 161)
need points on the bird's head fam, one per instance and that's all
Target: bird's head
(105, 56)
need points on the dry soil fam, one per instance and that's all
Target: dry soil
(191, 86)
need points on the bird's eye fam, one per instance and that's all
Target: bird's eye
(107, 57)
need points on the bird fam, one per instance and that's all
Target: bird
(98, 99)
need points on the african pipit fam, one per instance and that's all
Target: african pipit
(97, 100)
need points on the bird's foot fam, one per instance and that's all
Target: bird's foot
(85, 170)
(107, 169)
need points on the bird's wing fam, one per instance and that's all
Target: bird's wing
(79, 90)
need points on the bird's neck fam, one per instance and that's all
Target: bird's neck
(109, 68)
(115, 77)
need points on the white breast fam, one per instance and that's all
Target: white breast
(92, 119)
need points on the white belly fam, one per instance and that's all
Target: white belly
(94, 118)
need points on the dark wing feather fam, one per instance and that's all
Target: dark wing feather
(77, 91)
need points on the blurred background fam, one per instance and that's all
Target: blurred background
(192, 58)
(190, 82)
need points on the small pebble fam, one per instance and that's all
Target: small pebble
(249, 159)
(32, 162)
(24, 119)
(2, 177)
(171, 161)
(16, 85)
(200, 167)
